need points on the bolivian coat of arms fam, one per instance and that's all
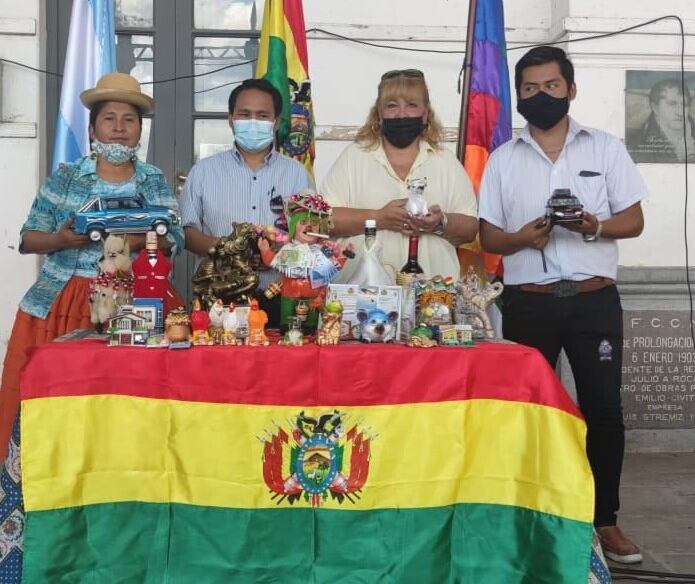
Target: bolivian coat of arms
(316, 459)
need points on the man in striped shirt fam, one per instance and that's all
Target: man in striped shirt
(248, 182)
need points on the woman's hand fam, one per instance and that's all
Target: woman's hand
(393, 216)
(66, 238)
(427, 223)
(263, 244)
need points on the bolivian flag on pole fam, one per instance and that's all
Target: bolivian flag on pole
(283, 60)
(295, 465)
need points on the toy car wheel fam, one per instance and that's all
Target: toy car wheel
(161, 228)
(96, 234)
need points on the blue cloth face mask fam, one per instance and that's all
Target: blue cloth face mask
(113, 152)
(253, 135)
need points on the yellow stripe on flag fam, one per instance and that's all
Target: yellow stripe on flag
(99, 449)
(280, 28)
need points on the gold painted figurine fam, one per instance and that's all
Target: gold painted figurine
(227, 272)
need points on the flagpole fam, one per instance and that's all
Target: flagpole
(466, 89)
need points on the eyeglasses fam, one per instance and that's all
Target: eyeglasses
(411, 73)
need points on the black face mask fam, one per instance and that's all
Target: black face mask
(401, 131)
(542, 110)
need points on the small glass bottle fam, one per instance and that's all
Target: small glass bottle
(369, 233)
(412, 266)
(151, 246)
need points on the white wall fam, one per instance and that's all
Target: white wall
(345, 76)
(20, 114)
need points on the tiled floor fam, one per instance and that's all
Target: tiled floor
(658, 510)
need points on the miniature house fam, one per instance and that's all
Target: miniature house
(127, 328)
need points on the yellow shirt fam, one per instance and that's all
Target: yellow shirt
(364, 179)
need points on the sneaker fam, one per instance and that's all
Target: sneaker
(617, 547)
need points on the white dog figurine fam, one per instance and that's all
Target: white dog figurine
(416, 204)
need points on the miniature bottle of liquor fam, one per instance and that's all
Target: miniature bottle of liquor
(369, 233)
(151, 245)
(412, 266)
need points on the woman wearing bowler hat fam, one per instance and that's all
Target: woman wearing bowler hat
(58, 302)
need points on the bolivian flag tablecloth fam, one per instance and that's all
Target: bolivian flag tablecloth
(334, 464)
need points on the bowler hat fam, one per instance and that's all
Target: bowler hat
(118, 87)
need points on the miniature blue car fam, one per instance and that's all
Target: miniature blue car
(102, 215)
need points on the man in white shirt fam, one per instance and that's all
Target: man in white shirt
(560, 277)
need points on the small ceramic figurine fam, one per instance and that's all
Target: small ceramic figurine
(376, 326)
(294, 337)
(227, 272)
(200, 320)
(478, 297)
(309, 262)
(230, 324)
(329, 331)
(257, 320)
(216, 314)
(177, 328)
(416, 204)
(421, 336)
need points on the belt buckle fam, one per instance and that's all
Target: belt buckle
(565, 289)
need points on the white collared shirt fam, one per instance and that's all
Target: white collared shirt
(364, 179)
(519, 179)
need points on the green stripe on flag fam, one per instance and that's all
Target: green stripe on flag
(277, 75)
(148, 543)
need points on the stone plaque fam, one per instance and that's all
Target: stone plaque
(658, 378)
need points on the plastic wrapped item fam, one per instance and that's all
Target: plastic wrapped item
(436, 307)
(435, 300)
(367, 269)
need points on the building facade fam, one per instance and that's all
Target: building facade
(159, 40)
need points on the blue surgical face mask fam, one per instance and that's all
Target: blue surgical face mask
(114, 152)
(253, 135)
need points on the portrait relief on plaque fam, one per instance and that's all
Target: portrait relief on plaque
(656, 129)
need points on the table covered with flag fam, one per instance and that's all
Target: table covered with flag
(351, 463)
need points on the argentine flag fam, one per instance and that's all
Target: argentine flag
(91, 53)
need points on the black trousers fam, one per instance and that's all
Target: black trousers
(589, 327)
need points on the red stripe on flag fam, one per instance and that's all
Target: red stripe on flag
(294, 15)
(348, 375)
(483, 111)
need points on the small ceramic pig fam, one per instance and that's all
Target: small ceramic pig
(376, 326)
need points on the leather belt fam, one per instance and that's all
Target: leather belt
(565, 288)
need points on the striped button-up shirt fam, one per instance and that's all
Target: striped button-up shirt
(519, 178)
(223, 189)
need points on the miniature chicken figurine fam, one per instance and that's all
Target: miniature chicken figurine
(216, 313)
(230, 324)
(200, 320)
(257, 320)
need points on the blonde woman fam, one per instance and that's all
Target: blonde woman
(401, 141)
